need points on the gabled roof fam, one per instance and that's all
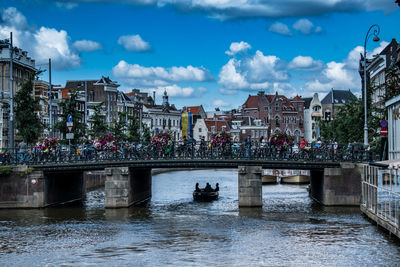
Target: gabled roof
(106, 81)
(130, 94)
(339, 97)
(218, 124)
(285, 101)
(297, 98)
(251, 102)
(193, 109)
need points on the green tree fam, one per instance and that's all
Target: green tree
(26, 107)
(99, 126)
(133, 129)
(70, 106)
(348, 124)
(118, 130)
(146, 136)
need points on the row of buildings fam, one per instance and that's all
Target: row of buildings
(261, 115)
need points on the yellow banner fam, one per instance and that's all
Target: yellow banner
(185, 123)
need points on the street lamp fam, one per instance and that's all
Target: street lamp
(376, 39)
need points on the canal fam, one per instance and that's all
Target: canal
(173, 230)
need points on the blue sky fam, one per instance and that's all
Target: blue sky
(211, 52)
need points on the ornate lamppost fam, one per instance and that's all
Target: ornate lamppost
(376, 39)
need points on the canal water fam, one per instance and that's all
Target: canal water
(172, 230)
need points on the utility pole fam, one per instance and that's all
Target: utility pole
(11, 126)
(140, 122)
(50, 95)
(85, 117)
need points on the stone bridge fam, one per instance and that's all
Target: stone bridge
(128, 182)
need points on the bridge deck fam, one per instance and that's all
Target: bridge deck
(187, 163)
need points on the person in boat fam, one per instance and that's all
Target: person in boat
(216, 187)
(197, 187)
(208, 188)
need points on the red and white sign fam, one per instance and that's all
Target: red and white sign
(70, 125)
(384, 131)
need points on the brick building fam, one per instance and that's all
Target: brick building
(277, 112)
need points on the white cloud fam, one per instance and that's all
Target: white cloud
(305, 64)
(237, 48)
(137, 75)
(87, 45)
(220, 103)
(12, 17)
(353, 58)
(280, 28)
(231, 9)
(303, 25)
(55, 45)
(174, 91)
(378, 49)
(252, 73)
(202, 90)
(318, 29)
(66, 5)
(224, 91)
(42, 43)
(134, 43)
(335, 75)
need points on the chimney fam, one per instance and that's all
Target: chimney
(154, 97)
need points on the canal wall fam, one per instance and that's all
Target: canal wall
(93, 180)
(337, 186)
(21, 187)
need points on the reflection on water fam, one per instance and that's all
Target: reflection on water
(171, 229)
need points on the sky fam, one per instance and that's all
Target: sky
(203, 52)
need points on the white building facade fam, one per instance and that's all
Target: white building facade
(312, 113)
(393, 108)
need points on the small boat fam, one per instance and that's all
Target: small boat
(205, 196)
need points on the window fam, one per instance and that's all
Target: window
(277, 121)
(223, 128)
(252, 133)
(276, 107)
(328, 116)
(213, 129)
(199, 130)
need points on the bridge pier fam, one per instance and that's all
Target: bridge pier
(340, 186)
(250, 186)
(127, 186)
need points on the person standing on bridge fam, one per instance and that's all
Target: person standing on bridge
(247, 143)
(22, 150)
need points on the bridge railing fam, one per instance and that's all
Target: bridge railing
(381, 193)
(186, 150)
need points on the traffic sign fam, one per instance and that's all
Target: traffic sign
(383, 123)
(69, 128)
(384, 131)
(70, 136)
(69, 118)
